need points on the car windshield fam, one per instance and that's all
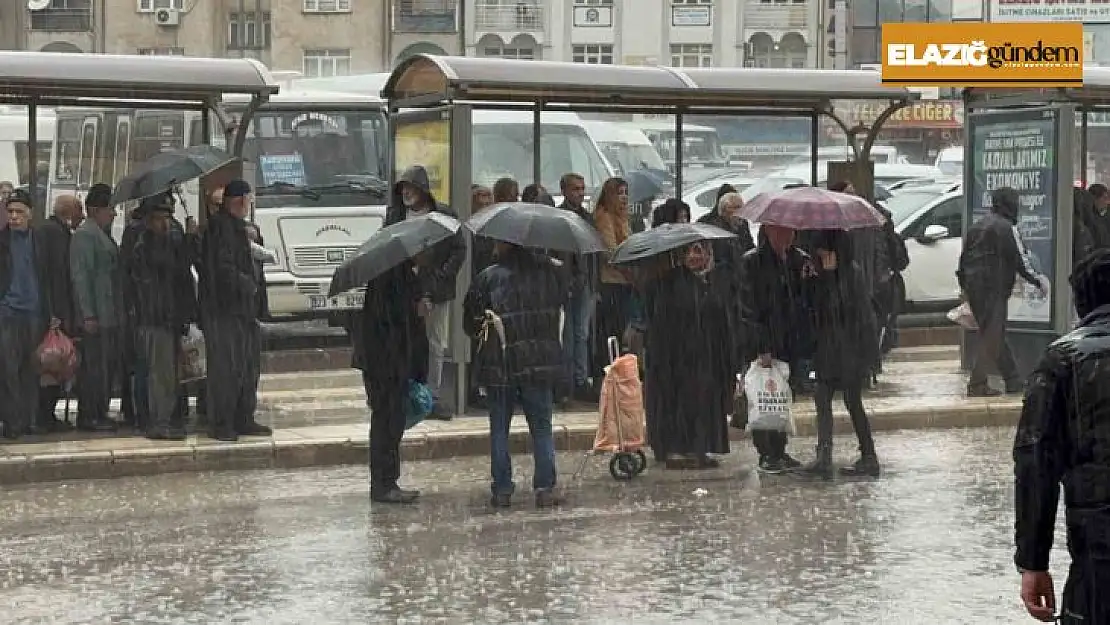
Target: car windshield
(338, 153)
(505, 150)
(630, 158)
(903, 205)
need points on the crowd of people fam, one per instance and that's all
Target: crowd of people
(539, 321)
(127, 305)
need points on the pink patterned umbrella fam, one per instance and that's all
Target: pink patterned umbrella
(812, 208)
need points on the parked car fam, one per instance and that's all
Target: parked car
(931, 221)
(701, 197)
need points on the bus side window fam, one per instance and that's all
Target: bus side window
(88, 154)
(122, 149)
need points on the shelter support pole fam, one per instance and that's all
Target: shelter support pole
(37, 212)
(206, 126)
(1084, 156)
(814, 129)
(537, 141)
(244, 122)
(679, 148)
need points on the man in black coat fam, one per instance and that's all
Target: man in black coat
(583, 274)
(989, 265)
(1063, 437)
(230, 302)
(724, 216)
(412, 197)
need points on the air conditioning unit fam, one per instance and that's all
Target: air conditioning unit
(167, 17)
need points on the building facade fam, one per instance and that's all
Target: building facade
(683, 33)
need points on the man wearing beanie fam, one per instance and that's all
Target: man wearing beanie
(230, 300)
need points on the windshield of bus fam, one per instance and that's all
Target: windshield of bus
(505, 150)
(697, 145)
(340, 154)
(629, 158)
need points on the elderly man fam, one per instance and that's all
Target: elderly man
(728, 251)
(55, 235)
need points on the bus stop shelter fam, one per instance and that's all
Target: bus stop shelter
(1032, 140)
(50, 79)
(431, 99)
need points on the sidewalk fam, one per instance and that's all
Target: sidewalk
(914, 393)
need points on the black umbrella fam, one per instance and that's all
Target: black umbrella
(162, 172)
(643, 185)
(391, 246)
(664, 239)
(537, 226)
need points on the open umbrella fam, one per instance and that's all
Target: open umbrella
(537, 226)
(665, 239)
(162, 172)
(391, 246)
(812, 208)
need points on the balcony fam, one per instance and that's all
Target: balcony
(62, 20)
(776, 17)
(426, 16)
(504, 17)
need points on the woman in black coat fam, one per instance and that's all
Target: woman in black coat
(394, 346)
(689, 363)
(847, 346)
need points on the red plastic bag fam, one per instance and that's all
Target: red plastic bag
(57, 356)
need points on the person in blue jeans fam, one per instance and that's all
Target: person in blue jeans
(512, 310)
(582, 290)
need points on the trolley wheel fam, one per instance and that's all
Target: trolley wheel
(622, 466)
(641, 461)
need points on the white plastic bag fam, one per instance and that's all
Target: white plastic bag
(769, 397)
(194, 359)
(962, 316)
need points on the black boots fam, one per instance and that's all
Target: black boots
(822, 465)
(867, 466)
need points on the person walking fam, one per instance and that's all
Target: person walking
(439, 270)
(513, 309)
(230, 303)
(392, 333)
(94, 267)
(690, 363)
(582, 296)
(989, 264)
(776, 284)
(847, 346)
(1063, 437)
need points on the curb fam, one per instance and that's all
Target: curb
(285, 453)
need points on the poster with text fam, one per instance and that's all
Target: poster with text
(1018, 150)
(427, 143)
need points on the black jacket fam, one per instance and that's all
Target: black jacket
(46, 276)
(845, 329)
(390, 331)
(229, 281)
(991, 260)
(775, 299)
(727, 252)
(526, 291)
(446, 257)
(158, 286)
(582, 270)
(54, 235)
(1063, 437)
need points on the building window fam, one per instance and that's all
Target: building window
(162, 51)
(327, 63)
(63, 16)
(691, 55)
(249, 31)
(782, 1)
(607, 3)
(327, 6)
(594, 54)
(149, 6)
(763, 51)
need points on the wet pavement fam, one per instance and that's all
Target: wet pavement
(927, 543)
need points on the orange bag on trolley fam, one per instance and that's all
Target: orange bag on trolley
(623, 422)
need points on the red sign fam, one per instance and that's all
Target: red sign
(923, 114)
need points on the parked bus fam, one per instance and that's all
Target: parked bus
(15, 166)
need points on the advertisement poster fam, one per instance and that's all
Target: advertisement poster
(426, 143)
(1018, 150)
(1085, 11)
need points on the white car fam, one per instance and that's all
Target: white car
(931, 221)
(702, 196)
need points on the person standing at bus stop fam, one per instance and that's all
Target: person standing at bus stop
(412, 197)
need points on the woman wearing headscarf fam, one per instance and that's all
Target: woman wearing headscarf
(690, 361)
(847, 346)
(535, 193)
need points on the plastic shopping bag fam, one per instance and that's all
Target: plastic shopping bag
(57, 357)
(419, 403)
(194, 359)
(769, 397)
(962, 316)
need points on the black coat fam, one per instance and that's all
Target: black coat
(845, 328)
(229, 279)
(727, 252)
(1063, 437)
(775, 300)
(526, 291)
(690, 363)
(47, 273)
(448, 256)
(391, 331)
(158, 286)
(54, 235)
(991, 260)
(583, 270)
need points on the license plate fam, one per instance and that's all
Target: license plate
(343, 301)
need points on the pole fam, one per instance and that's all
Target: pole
(840, 34)
(37, 212)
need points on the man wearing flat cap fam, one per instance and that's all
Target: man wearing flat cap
(231, 293)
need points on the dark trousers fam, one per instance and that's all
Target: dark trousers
(100, 360)
(853, 401)
(613, 314)
(387, 427)
(159, 347)
(233, 346)
(993, 349)
(19, 376)
(770, 444)
(48, 403)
